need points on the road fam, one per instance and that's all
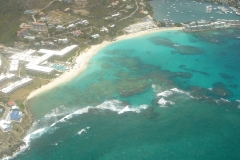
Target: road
(33, 16)
(6, 112)
(132, 12)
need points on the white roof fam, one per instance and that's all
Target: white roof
(11, 87)
(5, 124)
(15, 107)
(30, 51)
(39, 68)
(58, 53)
(95, 35)
(9, 75)
(2, 77)
(14, 65)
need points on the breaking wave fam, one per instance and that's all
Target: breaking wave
(62, 114)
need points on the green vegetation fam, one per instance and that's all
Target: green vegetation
(10, 14)
(177, 24)
(1, 113)
(20, 104)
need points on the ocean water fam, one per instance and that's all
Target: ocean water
(168, 95)
(189, 10)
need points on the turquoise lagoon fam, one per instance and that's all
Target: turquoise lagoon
(167, 95)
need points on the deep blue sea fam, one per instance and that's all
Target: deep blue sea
(167, 95)
(189, 10)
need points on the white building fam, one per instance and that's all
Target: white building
(85, 22)
(60, 28)
(63, 41)
(95, 36)
(71, 26)
(116, 15)
(9, 75)
(40, 69)
(5, 125)
(60, 53)
(104, 29)
(16, 85)
(2, 78)
(14, 65)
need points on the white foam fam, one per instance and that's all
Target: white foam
(69, 116)
(83, 130)
(59, 111)
(238, 100)
(113, 105)
(225, 100)
(135, 109)
(27, 139)
(164, 102)
(165, 93)
(178, 90)
(238, 106)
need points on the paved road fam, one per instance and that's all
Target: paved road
(132, 12)
(7, 110)
(33, 16)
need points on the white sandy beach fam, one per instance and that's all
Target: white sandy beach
(83, 59)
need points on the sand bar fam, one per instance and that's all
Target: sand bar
(82, 60)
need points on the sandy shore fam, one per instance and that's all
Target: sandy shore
(82, 60)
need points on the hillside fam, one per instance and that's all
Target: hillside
(11, 12)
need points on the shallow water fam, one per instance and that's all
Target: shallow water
(156, 100)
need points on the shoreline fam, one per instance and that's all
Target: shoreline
(80, 64)
(82, 60)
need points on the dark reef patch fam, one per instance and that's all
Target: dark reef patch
(193, 70)
(118, 51)
(233, 86)
(182, 49)
(226, 76)
(151, 114)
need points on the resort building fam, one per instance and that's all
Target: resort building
(16, 85)
(2, 78)
(39, 69)
(14, 65)
(60, 53)
(33, 62)
(5, 77)
(95, 36)
(23, 32)
(10, 75)
(5, 125)
(39, 27)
